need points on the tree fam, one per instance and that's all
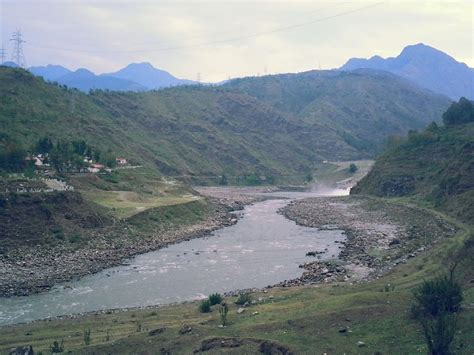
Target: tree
(459, 112)
(353, 168)
(223, 180)
(12, 157)
(437, 302)
(44, 145)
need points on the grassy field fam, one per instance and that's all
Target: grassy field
(310, 320)
(124, 204)
(333, 172)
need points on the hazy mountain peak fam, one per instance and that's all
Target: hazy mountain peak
(147, 75)
(50, 72)
(427, 67)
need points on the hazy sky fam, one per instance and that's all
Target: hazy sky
(221, 39)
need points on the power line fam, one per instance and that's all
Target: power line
(17, 55)
(227, 40)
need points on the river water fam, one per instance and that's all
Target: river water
(262, 249)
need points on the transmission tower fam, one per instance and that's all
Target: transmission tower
(3, 55)
(17, 55)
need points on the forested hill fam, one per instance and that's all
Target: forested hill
(363, 107)
(207, 131)
(436, 166)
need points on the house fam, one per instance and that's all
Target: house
(121, 160)
(95, 168)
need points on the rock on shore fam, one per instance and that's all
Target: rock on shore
(379, 234)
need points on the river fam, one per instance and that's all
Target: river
(262, 249)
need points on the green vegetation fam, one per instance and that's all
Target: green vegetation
(243, 298)
(353, 168)
(459, 113)
(87, 337)
(197, 133)
(215, 298)
(57, 347)
(303, 319)
(436, 307)
(12, 157)
(223, 310)
(435, 166)
(362, 108)
(205, 306)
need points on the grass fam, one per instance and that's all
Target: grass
(307, 319)
(124, 204)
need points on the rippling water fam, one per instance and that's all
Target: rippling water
(262, 249)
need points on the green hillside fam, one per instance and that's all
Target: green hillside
(199, 133)
(362, 107)
(436, 166)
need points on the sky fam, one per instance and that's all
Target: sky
(217, 40)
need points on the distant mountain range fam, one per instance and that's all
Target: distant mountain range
(134, 77)
(427, 67)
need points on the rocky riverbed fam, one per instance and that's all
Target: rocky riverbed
(380, 235)
(29, 270)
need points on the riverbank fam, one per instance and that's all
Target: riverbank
(379, 236)
(366, 317)
(27, 270)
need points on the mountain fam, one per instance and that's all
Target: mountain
(134, 77)
(50, 72)
(148, 76)
(10, 64)
(363, 107)
(201, 132)
(436, 166)
(86, 80)
(426, 66)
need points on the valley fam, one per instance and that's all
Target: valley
(294, 213)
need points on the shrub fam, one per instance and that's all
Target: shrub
(243, 299)
(353, 168)
(438, 296)
(459, 112)
(436, 305)
(223, 310)
(205, 306)
(57, 347)
(87, 337)
(215, 298)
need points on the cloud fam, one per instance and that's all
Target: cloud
(231, 38)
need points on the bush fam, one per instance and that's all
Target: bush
(57, 347)
(353, 168)
(87, 337)
(223, 310)
(438, 296)
(243, 299)
(215, 298)
(205, 306)
(459, 112)
(436, 305)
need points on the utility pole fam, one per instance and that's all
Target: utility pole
(17, 55)
(3, 55)
(199, 78)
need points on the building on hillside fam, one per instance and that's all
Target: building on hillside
(121, 160)
(95, 168)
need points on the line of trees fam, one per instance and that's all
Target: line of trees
(63, 155)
